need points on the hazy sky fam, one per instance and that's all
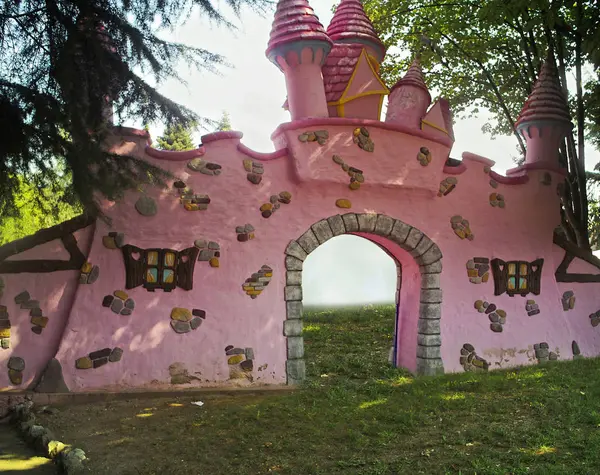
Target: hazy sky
(252, 92)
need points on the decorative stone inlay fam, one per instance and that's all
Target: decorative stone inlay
(204, 167)
(194, 202)
(496, 199)
(543, 353)
(240, 362)
(478, 270)
(119, 303)
(245, 233)
(16, 363)
(181, 327)
(181, 314)
(487, 169)
(22, 297)
(356, 176)
(496, 316)
(210, 251)
(568, 300)
(146, 206)
(576, 351)
(5, 327)
(594, 319)
(343, 203)
(113, 240)
(89, 273)
(470, 361)
(256, 283)
(255, 171)
(268, 209)
(184, 321)
(424, 156)
(25, 301)
(461, 227)
(532, 308)
(319, 136)
(99, 358)
(15, 377)
(493, 183)
(546, 179)
(179, 374)
(196, 312)
(361, 137)
(447, 185)
(115, 355)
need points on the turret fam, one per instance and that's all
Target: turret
(298, 46)
(350, 24)
(409, 98)
(544, 119)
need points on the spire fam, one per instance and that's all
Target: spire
(413, 77)
(295, 21)
(350, 24)
(547, 101)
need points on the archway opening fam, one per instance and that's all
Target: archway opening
(350, 288)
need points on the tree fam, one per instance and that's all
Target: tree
(487, 54)
(176, 137)
(224, 123)
(69, 65)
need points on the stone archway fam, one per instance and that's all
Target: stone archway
(425, 252)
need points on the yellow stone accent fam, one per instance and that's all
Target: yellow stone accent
(181, 314)
(122, 295)
(501, 313)
(253, 292)
(478, 304)
(39, 321)
(214, 262)
(4, 332)
(248, 165)
(268, 274)
(354, 185)
(472, 273)
(86, 268)
(251, 236)
(343, 203)
(266, 207)
(356, 132)
(485, 277)
(235, 359)
(83, 363)
(16, 377)
(286, 195)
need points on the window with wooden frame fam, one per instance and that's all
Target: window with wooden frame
(159, 268)
(517, 277)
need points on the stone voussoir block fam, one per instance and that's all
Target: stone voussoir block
(293, 277)
(428, 326)
(430, 311)
(294, 309)
(293, 263)
(429, 340)
(431, 256)
(431, 295)
(433, 268)
(336, 224)
(400, 232)
(292, 327)
(308, 241)
(430, 281)
(384, 225)
(295, 371)
(295, 347)
(295, 250)
(429, 352)
(322, 231)
(350, 222)
(422, 247)
(429, 367)
(366, 222)
(412, 240)
(293, 293)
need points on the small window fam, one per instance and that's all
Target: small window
(517, 277)
(159, 268)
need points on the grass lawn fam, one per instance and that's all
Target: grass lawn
(356, 415)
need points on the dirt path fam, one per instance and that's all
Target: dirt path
(18, 459)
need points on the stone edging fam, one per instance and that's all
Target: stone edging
(425, 252)
(69, 460)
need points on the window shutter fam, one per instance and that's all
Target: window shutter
(535, 276)
(499, 271)
(134, 267)
(185, 267)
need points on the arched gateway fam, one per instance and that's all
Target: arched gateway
(424, 251)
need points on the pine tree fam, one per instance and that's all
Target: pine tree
(224, 123)
(69, 65)
(177, 138)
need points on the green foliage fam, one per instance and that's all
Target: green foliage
(177, 138)
(355, 415)
(224, 123)
(69, 65)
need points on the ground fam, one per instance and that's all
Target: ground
(16, 457)
(356, 415)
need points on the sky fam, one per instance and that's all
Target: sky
(252, 92)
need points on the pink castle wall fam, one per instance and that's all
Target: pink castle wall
(396, 185)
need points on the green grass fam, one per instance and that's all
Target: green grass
(356, 415)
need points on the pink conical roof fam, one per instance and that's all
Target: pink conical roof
(547, 101)
(295, 20)
(413, 77)
(350, 23)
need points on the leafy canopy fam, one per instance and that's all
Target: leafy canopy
(177, 138)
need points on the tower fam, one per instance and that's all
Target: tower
(409, 98)
(298, 46)
(544, 119)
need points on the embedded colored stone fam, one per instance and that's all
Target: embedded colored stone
(196, 164)
(478, 304)
(236, 359)
(146, 206)
(130, 304)
(575, 348)
(490, 308)
(83, 363)
(107, 300)
(181, 327)
(196, 312)
(17, 363)
(37, 330)
(121, 294)
(343, 203)
(214, 262)
(266, 213)
(195, 322)
(337, 159)
(179, 184)
(126, 312)
(39, 321)
(16, 377)
(266, 207)
(247, 365)
(94, 355)
(254, 178)
(249, 353)
(493, 183)
(115, 355)
(285, 196)
(94, 274)
(496, 327)
(501, 313)
(109, 242)
(5, 343)
(303, 137)
(247, 165)
(181, 314)
(494, 317)
(30, 304)
(116, 306)
(243, 237)
(35, 312)
(228, 347)
(22, 297)
(205, 255)
(4, 332)
(99, 362)
(235, 351)
(354, 185)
